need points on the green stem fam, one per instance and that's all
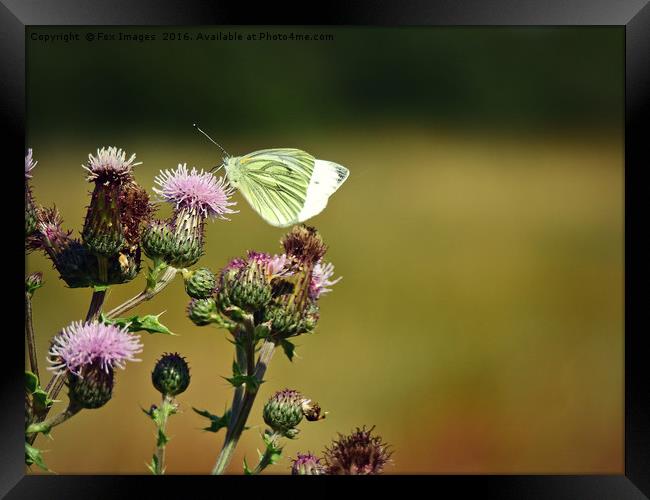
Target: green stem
(147, 294)
(29, 334)
(167, 404)
(239, 422)
(46, 425)
(266, 459)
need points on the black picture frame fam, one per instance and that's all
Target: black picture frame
(631, 15)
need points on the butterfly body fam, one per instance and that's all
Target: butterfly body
(285, 186)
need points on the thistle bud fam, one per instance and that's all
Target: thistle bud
(102, 232)
(135, 209)
(157, 240)
(187, 241)
(171, 375)
(307, 465)
(360, 453)
(283, 412)
(199, 283)
(288, 319)
(33, 282)
(93, 387)
(202, 311)
(244, 285)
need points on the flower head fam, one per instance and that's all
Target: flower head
(29, 164)
(360, 453)
(304, 244)
(284, 411)
(307, 464)
(110, 165)
(81, 344)
(198, 191)
(321, 280)
(171, 375)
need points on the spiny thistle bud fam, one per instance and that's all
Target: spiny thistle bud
(33, 282)
(196, 196)
(103, 233)
(304, 244)
(171, 375)
(307, 465)
(289, 319)
(199, 283)
(93, 387)
(360, 453)
(283, 412)
(187, 241)
(244, 284)
(157, 240)
(202, 311)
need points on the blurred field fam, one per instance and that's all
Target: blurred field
(479, 323)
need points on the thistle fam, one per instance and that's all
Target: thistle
(283, 412)
(76, 266)
(87, 354)
(200, 283)
(171, 375)
(202, 311)
(33, 282)
(245, 284)
(307, 465)
(196, 197)
(103, 232)
(360, 453)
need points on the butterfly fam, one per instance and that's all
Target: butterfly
(285, 186)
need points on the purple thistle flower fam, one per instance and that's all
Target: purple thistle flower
(29, 164)
(197, 191)
(110, 163)
(307, 464)
(321, 279)
(81, 344)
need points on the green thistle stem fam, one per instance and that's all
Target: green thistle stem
(239, 422)
(46, 425)
(269, 452)
(167, 403)
(166, 278)
(29, 334)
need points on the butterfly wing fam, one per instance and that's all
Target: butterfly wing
(286, 186)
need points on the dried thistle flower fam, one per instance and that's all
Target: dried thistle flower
(31, 208)
(304, 244)
(359, 453)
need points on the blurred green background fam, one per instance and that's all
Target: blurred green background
(479, 322)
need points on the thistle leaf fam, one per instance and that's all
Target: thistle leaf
(289, 348)
(216, 422)
(33, 456)
(149, 323)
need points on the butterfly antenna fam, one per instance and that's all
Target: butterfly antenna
(211, 139)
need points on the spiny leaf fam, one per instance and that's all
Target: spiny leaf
(162, 438)
(289, 348)
(39, 396)
(216, 422)
(153, 466)
(149, 323)
(33, 456)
